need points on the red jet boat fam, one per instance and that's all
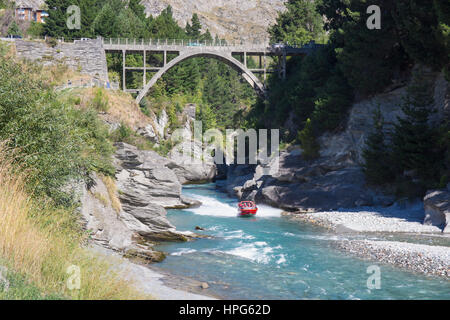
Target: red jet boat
(247, 209)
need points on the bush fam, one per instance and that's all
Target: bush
(308, 142)
(38, 242)
(377, 166)
(58, 143)
(100, 101)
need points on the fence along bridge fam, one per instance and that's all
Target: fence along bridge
(185, 49)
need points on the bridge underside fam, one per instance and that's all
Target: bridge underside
(224, 54)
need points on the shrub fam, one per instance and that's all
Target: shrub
(58, 144)
(100, 101)
(308, 141)
(377, 167)
(38, 242)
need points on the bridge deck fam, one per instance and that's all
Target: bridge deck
(180, 46)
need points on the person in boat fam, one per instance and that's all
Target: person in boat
(247, 208)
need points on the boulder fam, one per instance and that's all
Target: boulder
(149, 132)
(437, 209)
(147, 187)
(295, 184)
(116, 229)
(190, 164)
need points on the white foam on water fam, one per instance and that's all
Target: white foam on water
(258, 252)
(213, 207)
(183, 251)
(237, 234)
(282, 259)
(268, 211)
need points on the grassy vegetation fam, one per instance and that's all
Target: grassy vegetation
(111, 187)
(48, 142)
(40, 241)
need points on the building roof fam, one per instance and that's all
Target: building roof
(34, 4)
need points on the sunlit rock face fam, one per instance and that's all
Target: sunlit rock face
(230, 19)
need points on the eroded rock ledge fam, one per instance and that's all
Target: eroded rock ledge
(146, 185)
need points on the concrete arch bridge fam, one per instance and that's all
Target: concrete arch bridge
(186, 49)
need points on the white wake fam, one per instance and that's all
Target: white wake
(214, 207)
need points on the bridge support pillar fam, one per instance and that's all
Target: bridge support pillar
(145, 70)
(165, 58)
(265, 69)
(124, 52)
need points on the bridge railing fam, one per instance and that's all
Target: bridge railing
(181, 42)
(206, 43)
(176, 42)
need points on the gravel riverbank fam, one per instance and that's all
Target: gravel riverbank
(371, 220)
(429, 260)
(379, 222)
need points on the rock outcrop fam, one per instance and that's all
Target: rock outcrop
(437, 209)
(325, 184)
(146, 181)
(192, 166)
(335, 180)
(229, 19)
(146, 187)
(114, 228)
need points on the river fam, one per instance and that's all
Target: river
(270, 257)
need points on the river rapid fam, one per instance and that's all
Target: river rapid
(270, 257)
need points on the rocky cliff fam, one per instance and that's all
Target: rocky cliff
(229, 19)
(335, 180)
(128, 213)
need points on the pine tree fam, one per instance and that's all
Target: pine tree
(13, 29)
(193, 30)
(207, 116)
(106, 24)
(377, 168)
(300, 23)
(414, 141)
(129, 25)
(138, 9)
(56, 22)
(308, 141)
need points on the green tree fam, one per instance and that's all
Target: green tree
(308, 141)
(129, 25)
(377, 165)
(207, 116)
(165, 26)
(300, 23)
(13, 29)
(193, 30)
(421, 36)
(414, 141)
(137, 8)
(58, 144)
(106, 24)
(55, 23)
(369, 59)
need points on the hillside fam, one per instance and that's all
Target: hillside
(231, 19)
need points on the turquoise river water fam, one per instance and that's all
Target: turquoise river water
(270, 257)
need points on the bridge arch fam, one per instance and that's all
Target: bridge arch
(224, 57)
